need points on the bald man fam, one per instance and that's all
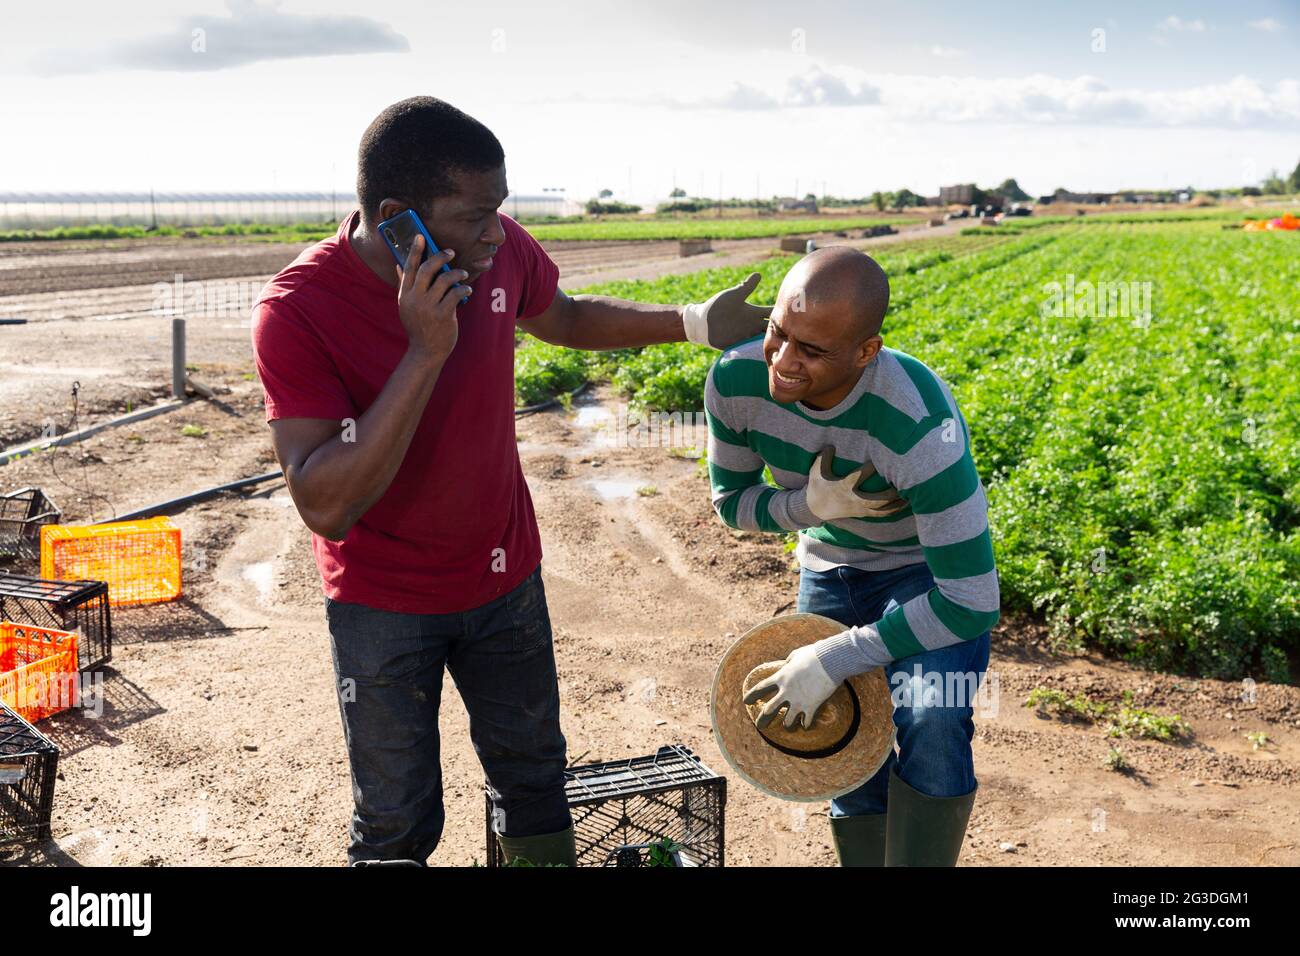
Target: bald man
(872, 463)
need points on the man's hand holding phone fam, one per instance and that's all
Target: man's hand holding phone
(427, 300)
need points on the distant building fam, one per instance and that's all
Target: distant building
(1093, 199)
(790, 204)
(1131, 196)
(960, 195)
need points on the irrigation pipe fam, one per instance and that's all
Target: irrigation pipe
(205, 494)
(69, 438)
(185, 500)
(198, 496)
(550, 402)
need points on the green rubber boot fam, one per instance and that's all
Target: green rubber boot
(540, 850)
(860, 840)
(924, 830)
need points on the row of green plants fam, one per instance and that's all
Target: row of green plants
(292, 231)
(631, 228)
(1122, 720)
(1017, 225)
(579, 228)
(704, 227)
(1143, 470)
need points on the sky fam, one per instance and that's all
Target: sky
(753, 98)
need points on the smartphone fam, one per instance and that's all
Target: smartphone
(399, 235)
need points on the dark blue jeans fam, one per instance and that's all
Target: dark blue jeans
(389, 668)
(934, 729)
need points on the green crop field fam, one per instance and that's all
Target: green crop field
(590, 230)
(704, 228)
(1143, 469)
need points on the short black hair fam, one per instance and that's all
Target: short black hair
(410, 150)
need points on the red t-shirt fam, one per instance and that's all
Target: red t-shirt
(455, 529)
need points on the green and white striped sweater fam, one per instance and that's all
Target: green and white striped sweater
(903, 420)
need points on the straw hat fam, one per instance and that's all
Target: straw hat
(847, 743)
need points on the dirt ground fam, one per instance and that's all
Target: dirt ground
(220, 740)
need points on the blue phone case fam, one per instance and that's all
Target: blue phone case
(400, 231)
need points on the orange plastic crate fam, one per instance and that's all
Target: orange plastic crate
(140, 560)
(38, 670)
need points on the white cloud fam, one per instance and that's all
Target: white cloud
(946, 52)
(762, 85)
(1182, 26)
(1047, 99)
(813, 87)
(1266, 25)
(253, 32)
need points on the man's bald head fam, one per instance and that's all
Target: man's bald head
(825, 326)
(842, 280)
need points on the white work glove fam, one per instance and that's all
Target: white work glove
(829, 498)
(801, 683)
(726, 318)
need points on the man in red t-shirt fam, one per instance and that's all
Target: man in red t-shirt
(391, 405)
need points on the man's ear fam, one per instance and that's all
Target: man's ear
(388, 208)
(868, 350)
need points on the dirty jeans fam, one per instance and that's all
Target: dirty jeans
(934, 733)
(389, 667)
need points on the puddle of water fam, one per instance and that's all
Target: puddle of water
(262, 575)
(600, 424)
(594, 416)
(611, 489)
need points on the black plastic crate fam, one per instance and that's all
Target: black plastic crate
(28, 764)
(22, 513)
(621, 807)
(80, 606)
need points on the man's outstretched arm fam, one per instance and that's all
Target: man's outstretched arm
(597, 322)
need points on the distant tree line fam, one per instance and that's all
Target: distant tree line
(1007, 192)
(1275, 185)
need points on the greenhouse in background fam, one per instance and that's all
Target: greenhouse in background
(46, 210)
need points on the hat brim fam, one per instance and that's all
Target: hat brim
(774, 771)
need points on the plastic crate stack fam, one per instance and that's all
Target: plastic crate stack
(78, 606)
(622, 808)
(22, 514)
(140, 561)
(38, 670)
